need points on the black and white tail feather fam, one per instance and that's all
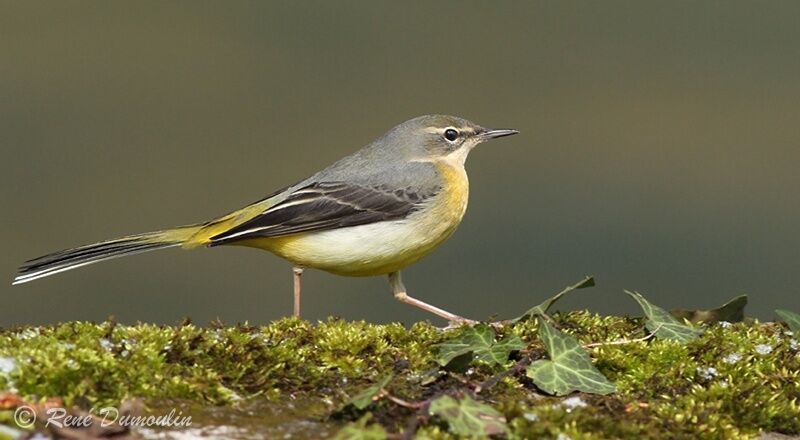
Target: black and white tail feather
(73, 258)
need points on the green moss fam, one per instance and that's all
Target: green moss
(732, 382)
(105, 363)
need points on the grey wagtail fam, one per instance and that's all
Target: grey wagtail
(371, 213)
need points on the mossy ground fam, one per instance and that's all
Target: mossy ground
(735, 381)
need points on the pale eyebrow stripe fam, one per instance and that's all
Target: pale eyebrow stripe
(465, 130)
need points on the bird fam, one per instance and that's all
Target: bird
(372, 213)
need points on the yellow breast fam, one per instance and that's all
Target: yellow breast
(455, 195)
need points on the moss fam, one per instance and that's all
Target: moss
(732, 382)
(103, 363)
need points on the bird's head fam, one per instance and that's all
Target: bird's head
(440, 137)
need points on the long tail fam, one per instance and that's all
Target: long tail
(133, 244)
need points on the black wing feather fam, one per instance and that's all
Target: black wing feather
(327, 205)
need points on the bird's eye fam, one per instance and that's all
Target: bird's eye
(451, 134)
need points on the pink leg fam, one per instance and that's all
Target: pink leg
(399, 292)
(297, 272)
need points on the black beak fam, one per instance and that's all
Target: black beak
(492, 133)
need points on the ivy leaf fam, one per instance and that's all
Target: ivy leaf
(468, 417)
(791, 318)
(359, 430)
(542, 308)
(499, 352)
(569, 367)
(664, 325)
(369, 394)
(480, 340)
(732, 311)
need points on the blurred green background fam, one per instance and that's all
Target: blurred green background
(659, 149)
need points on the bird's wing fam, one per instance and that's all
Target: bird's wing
(327, 205)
